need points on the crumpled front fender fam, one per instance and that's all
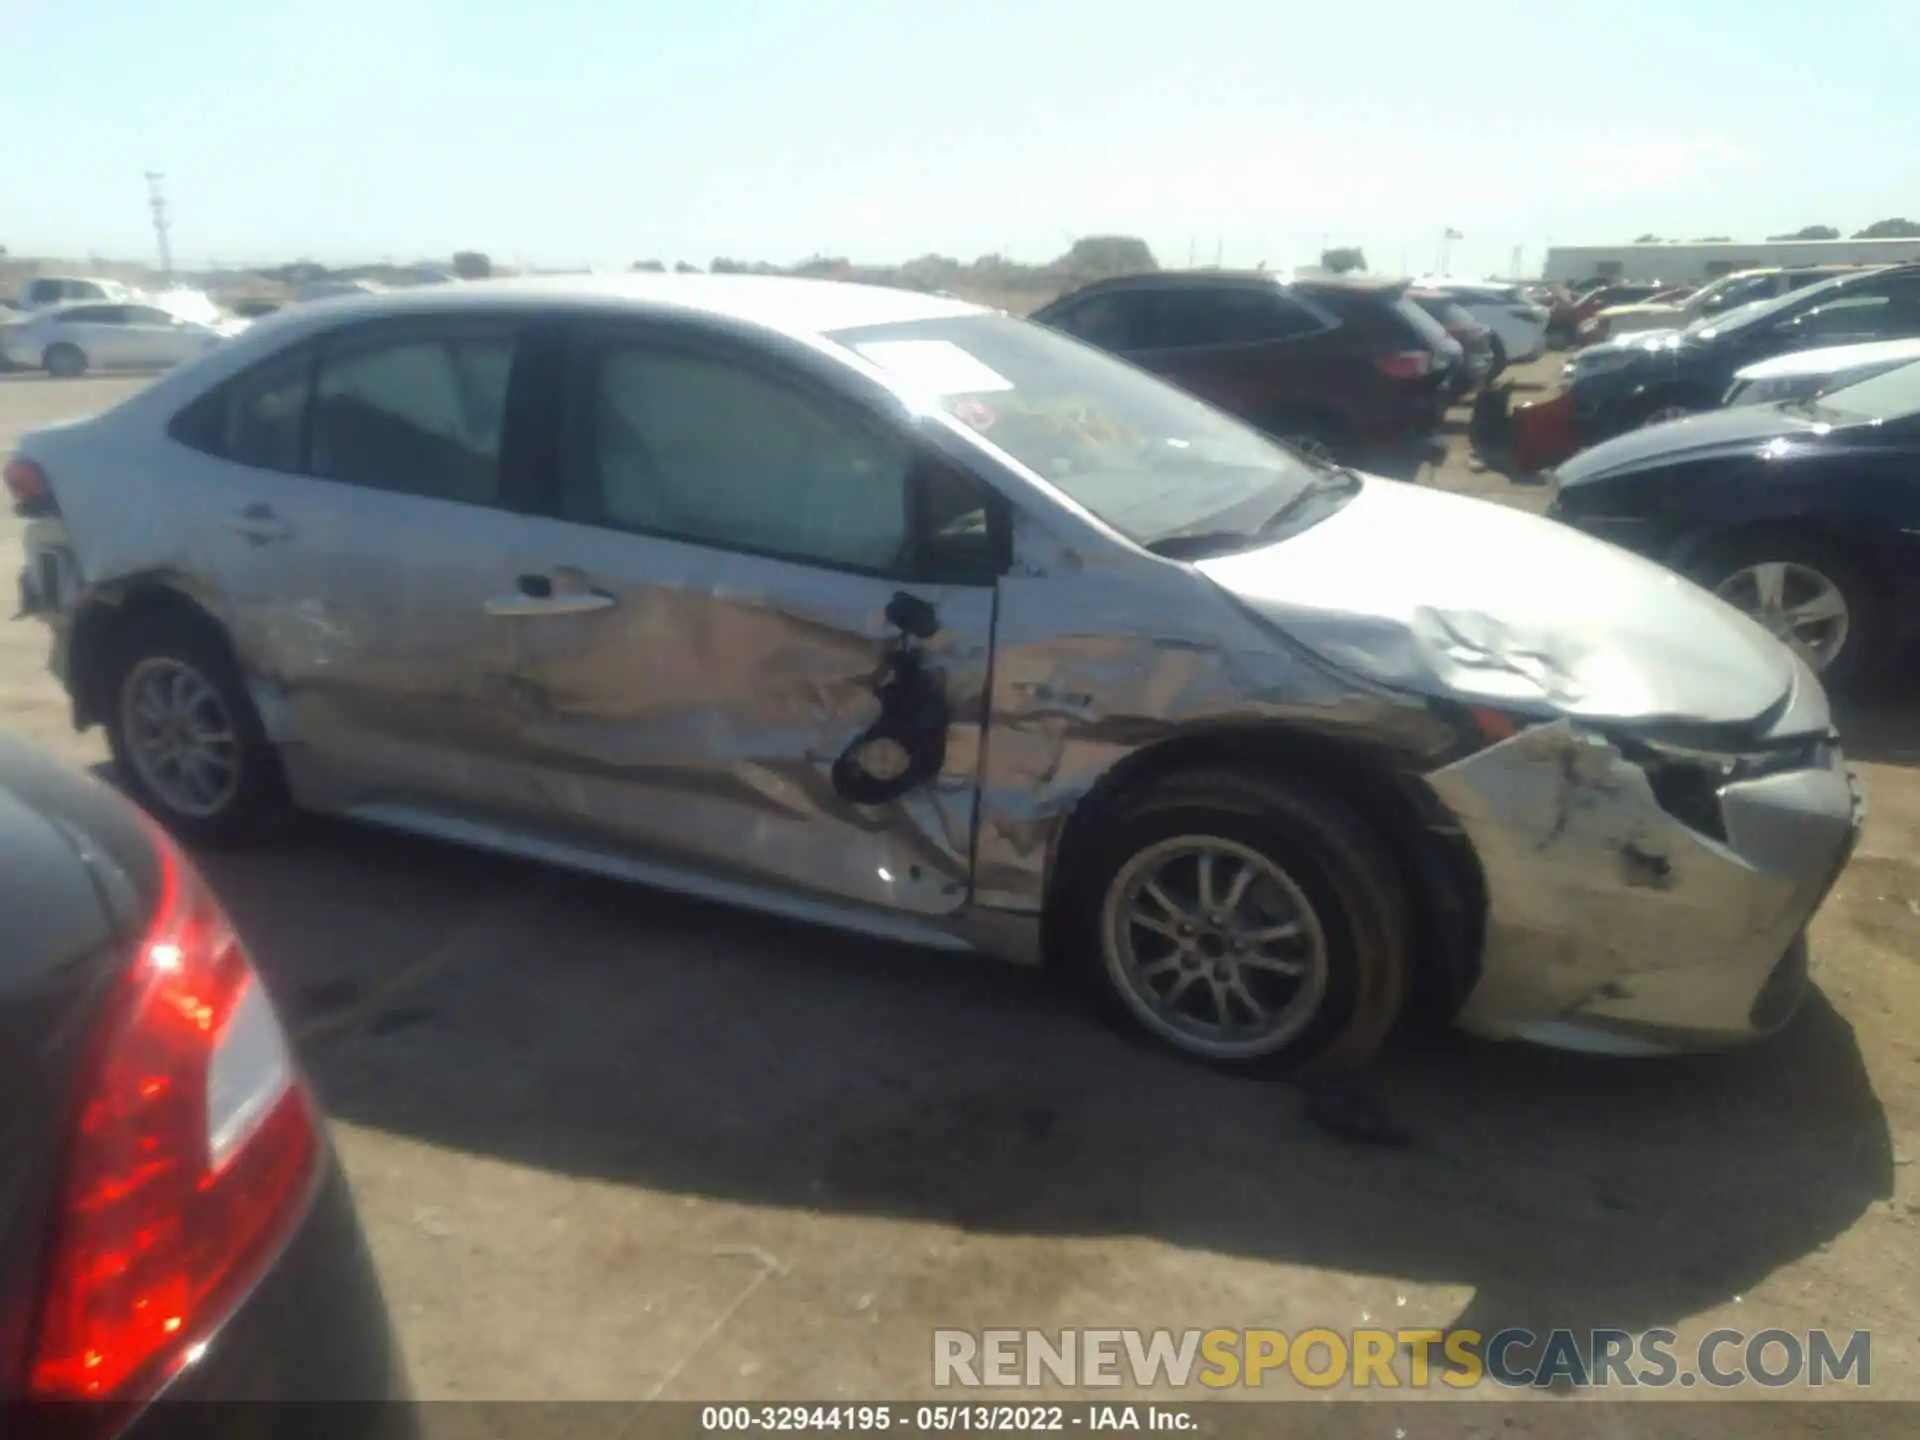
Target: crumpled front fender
(1606, 912)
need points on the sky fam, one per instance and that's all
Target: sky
(574, 132)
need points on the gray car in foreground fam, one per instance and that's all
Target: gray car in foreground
(881, 610)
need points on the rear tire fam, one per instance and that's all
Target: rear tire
(1808, 592)
(64, 361)
(187, 742)
(1499, 361)
(1288, 911)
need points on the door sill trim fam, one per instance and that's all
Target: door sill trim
(663, 875)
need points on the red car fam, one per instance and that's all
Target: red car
(1567, 313)
(1342, 368)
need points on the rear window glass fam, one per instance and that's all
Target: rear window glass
(258, 418)
(1430, 330)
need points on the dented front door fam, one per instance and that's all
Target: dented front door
(691, 705)
(734, 654)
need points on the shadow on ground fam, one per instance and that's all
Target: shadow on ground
(1883, 728)
(614, 1032)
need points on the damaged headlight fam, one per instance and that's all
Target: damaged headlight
(1687, 780)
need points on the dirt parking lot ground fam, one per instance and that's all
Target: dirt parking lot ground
(610, 1143)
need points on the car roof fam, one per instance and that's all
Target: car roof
(1305, 279)
(1831, 358)
(783, 303)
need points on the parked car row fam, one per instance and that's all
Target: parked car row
(1519, 322)
(1677, 309)
(1662, 375)
(1475, 340)
(1769, 452)
(880, 610)
(1339, 367)
(72, 339)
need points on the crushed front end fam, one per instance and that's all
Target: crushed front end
(1649, 888)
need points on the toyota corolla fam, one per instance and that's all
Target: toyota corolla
(881, 610)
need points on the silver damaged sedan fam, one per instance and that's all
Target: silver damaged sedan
(881, 610)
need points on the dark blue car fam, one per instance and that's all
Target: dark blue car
(1662, 375)
(1805, 514)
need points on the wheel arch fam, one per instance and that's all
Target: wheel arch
(1442, 875)
(1696, 549)
(104, 621)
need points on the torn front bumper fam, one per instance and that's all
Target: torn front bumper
(1613, 923)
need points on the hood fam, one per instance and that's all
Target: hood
(1832, 360)
(1640, 342)
(1464, 599)
(1649, 308)
(1717, 431)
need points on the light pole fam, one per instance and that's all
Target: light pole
(157, 200)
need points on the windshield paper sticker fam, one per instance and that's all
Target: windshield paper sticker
(936, 367)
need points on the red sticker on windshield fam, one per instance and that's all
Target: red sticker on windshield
(976, 413)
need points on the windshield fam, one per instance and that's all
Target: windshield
(1762, 310)
(1711, 294)
(1887, 395)
(1149, 460)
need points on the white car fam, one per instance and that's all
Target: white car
(74, 339)
(1808, 374)
(1519, 325)
(46, 291)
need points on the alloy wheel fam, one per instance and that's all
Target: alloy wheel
(1214, 946)
(180, 737)
(1796, 602)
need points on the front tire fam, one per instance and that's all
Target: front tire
(1246, 920)
(64, 361)
(187, 742)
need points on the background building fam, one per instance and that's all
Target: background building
(1695, 263)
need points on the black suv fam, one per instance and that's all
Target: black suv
(1338, 367)
(1662, 375)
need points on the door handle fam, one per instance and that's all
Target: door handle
(550, 604)
(537, 596)
(259, 524)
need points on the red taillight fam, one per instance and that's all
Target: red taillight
(193, 1150)
(27, 483)
(1407, 365)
